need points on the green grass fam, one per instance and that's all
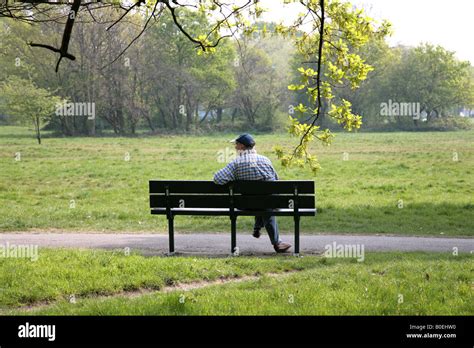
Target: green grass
(60, 273)
(359, 195)
(384, 284)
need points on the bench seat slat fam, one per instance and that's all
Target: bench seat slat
(223, 201)
(225, 212)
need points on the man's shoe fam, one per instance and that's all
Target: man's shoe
(256, 233)
(281, 247)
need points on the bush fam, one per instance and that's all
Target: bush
(451, 123)
(448, 123)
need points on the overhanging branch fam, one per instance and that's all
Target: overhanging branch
(63, 50)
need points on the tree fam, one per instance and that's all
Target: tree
(215, 82)
(256, 95)
(27, 103)
(338, 33)
(183, 82)
(366, 99)
(262, 74)
(427, 75)
(433, 77)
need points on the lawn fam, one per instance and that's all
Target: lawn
(384, 284)
(60, 273)
(390, 183)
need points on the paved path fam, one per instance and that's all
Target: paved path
(219, 244)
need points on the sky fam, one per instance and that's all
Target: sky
(440, 22)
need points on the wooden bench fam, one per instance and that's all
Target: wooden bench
(238, 198)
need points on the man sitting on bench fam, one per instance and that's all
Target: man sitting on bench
(250, 166)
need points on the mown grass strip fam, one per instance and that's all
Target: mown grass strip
(181, 287)
(61, 273)
(384, 284)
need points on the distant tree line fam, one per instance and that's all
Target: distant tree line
(161, 83)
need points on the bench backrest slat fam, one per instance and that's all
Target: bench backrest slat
(158, 186)
(247, 187)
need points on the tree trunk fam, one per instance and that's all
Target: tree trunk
(205, 116)
(219, 115)
(37, 128)
(234, 113)
(189, 115)
(150, 123)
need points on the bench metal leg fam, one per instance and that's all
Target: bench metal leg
(171, 234)
(233, 234)
(297, 236)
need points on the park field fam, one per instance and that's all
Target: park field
(370, 183)
(95, 282)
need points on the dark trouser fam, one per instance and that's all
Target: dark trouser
(270, 224)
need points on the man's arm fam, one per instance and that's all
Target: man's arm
(225, 175)
(276, 174)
